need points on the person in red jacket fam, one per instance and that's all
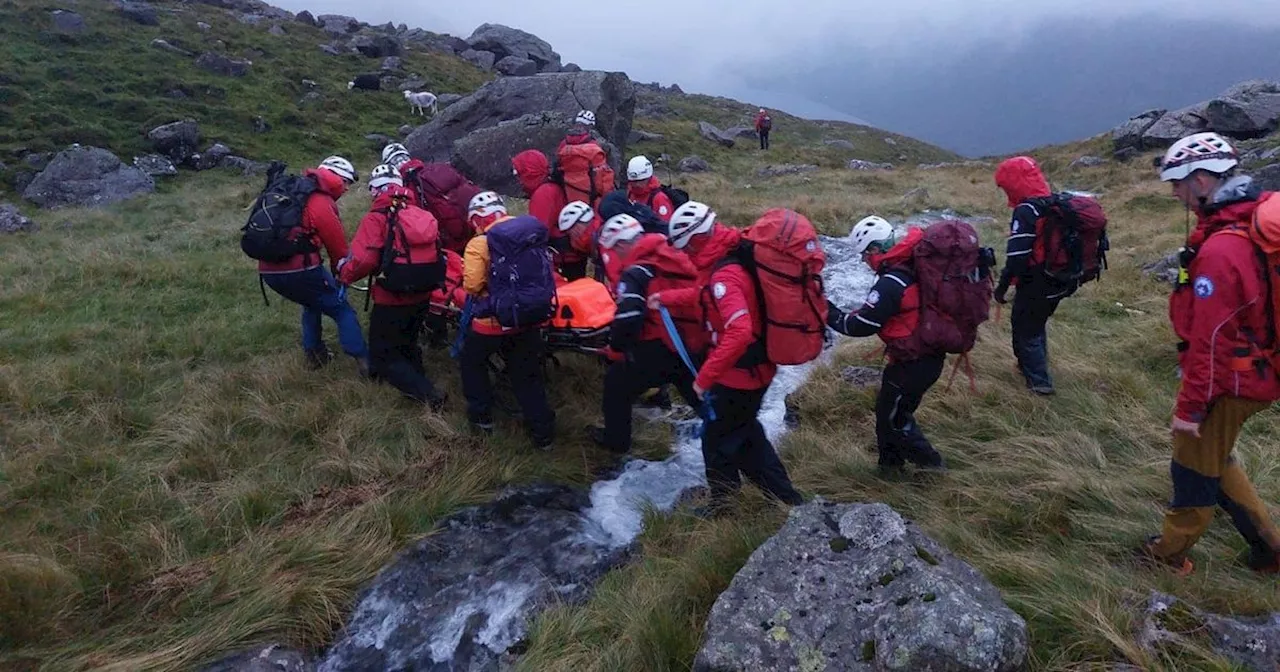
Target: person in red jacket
(649, 355)
(546, 201)
(645, 189)
(1220, 312)
(733, 379)
(764, 124)
(304, 279)
(892, 311)
(1038, 295)
(397, 318)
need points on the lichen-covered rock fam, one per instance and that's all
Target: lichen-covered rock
(857, 587)
(1252, 643)
(87, 177)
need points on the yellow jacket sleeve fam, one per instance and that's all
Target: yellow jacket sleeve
(475, 266)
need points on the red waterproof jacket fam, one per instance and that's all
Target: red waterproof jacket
(320, 223)
(650, 193)
(1221, 316)
(546, 199)
(366, 248)
(904, 323)
(704, 255)
(671, 269)
(735, 323)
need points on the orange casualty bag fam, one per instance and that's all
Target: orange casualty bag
(583, 305)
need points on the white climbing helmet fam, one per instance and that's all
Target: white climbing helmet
(383, 175)
(619, 228)
(639, 168)
(341, 167)
(486, 203)
(395, 154)
(577, 212)
(586, 118)
(689, 220)
(1202, 151)
(870, 230)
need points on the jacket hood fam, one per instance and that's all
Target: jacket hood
(713, 246)
(329, 183)
(1021, 179)
(899, 254)
(533, 169)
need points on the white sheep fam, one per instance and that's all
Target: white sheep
(421, 100)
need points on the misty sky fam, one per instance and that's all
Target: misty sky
(807, 56)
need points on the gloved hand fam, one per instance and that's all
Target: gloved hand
(835, 316)
(1002, 291)
(337, 268)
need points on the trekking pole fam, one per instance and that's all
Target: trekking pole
(707, 412)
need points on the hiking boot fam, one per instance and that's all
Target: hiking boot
(1043, 390)
(1145, 555)
(597, 435)
(319, 358)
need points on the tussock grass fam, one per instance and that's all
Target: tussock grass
(174, 484)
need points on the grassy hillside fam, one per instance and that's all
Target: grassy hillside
(174, 484)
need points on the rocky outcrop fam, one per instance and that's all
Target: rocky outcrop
(1247, 110)
(537, 107)
(155, 165)
(709, 132)
(503, 41)
(856, 587)
(515, 66)
(462, 597)
(481, 59)
(693, 164)
(88, 177)
(140, 13)
(376, 46)
(1129, 134)
(223, 65)
(1252, 643)
(859, 164)
(1268, 178)
(13, 221)
(68, 23)
(210, 158)
(177, 140)
(338, 25)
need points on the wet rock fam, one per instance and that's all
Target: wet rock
(88, 177)
(1088, 162)
(786, 169)
(503, 41)
(269, 658)
(481, 59)
(693, 164)
(645, 136)
(463, 596)
(839, 144)
(68, 23)
(1252, 643)
(1129, 134)
(1164, 269)
(155, 165)
(515, 66)
(861, 377)
(166, 46)
(13, 221)
(140, 13)
(177, 140)
(857, 587)
(859, 164)
(709, 132)
(222, 65)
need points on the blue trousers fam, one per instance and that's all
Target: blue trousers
(317, 292)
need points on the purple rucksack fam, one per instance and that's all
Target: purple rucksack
(522, 290)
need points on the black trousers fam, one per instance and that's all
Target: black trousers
(649, 364)
(394, 354)
(735, 442)
(902, 388)
(764, 139)
(522, 352)
(1029, 318)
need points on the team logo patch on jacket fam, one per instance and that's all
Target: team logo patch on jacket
(873, 297)
(718, 290)
(1203, 287)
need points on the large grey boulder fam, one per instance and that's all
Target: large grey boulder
(1268, 178)
(1247, 110)
(481, 59)
(463, 596)
(1251, 643)
(693, 164)
(1176, 125)
(505, 41)
(269, 658)
(516, 66)
(557, 98)
(710, 132)
(210, 158)
(140, 13)
(13, 221)
(222, 65)
(306, 18)
(338, 25)
(485, 155)
(376, 46)
(177, 140)
(742, 132)
(1129, 134)
(67, 22)
(88, 177)
(857, 587)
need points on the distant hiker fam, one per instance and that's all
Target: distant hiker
(396, 155)
(508, 279)
(896, 308)
(582, 167)
(643, 187)
(298, 274)
(444, 192)
(764, 124)
(649, 354)
(398, 243)
(1056, 243)
(738, 369)
(546, 200)
(1222, 312)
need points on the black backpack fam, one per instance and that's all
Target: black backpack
(766, 124)
(678, 196)
(275, 215)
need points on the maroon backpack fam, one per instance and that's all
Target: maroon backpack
(953, 273)
(1071, 245)
(446, 193)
